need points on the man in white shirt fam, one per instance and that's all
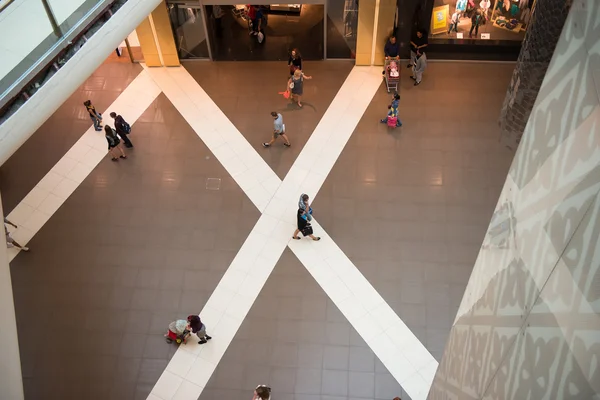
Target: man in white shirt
(278, 130)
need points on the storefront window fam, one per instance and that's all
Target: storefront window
(342, 24)
(498, 20)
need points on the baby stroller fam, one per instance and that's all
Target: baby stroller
(178, 332)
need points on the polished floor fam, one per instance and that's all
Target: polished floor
(149, 239)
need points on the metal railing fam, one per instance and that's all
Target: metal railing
(25, 79)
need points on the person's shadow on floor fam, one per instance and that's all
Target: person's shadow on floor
(291, 107)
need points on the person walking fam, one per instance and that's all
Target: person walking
(454, 22)
(196, 326)
(95, 116)
(114, 144)
(418, 68)
(305, 207)
(123, 129)
(304, 226)
(393, 111)
(278, 130)
(475, 22)
(296, 86)
(10, 242)
(295, 61)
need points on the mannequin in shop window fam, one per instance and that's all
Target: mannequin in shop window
(454, 22)
(470, 8)
(485, 5)
(475, 22)
(461, 6)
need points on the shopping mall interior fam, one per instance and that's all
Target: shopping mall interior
(372, 218)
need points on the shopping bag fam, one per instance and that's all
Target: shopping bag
(392, 122)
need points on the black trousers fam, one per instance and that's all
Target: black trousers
(125, 139)
(476, 27)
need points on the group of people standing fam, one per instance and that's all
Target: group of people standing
(113, 136)
(417, 64)
(418, 59)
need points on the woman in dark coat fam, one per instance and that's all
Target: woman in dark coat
(295, 61)
(114, 144)
(304, 226)
(197, 327)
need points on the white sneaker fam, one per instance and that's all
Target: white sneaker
(25, 248)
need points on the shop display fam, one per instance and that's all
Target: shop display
(286, 8)
(494, 19)
(512, 15)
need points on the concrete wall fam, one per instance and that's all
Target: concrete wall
(529, 323)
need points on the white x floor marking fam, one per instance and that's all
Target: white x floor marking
(389, 338)
(192, 365)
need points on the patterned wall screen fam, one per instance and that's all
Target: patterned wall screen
(529, 323)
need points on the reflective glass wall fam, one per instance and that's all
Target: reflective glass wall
(342, 24)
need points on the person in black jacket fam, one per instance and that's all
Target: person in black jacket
(391, 50)
(114, 144)
(304, 226)
(295, 61)
(197, 327)
(122, 129)
(418, 43)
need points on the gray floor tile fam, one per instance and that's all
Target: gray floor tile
(362, 384)
(361, 359)
(334, 383)
(336, 357)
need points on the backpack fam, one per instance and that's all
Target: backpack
(123, 125)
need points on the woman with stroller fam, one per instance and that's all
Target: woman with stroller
(197, 327)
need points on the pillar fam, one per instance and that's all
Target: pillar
(11, 382)
(537, 49)
(375, 25)
(156, 39)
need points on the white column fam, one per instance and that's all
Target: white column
(11, 382)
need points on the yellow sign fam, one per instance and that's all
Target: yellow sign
(439, 19)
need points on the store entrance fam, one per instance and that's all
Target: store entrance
(227, 32)
(279, 28)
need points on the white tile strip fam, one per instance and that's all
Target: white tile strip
(68, 173)
(398, 348)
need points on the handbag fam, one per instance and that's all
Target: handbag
(293, 68)
(307, 230)
(392, 122)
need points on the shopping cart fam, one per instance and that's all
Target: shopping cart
(391, 82)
